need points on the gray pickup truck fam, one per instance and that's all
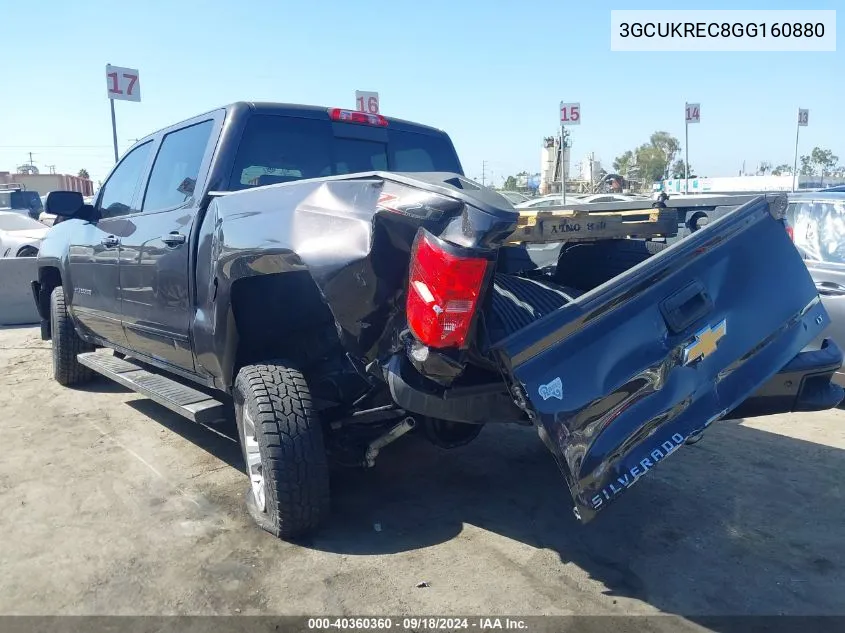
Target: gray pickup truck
(334, 278)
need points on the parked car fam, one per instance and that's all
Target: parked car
(817, 223)
(271, 254)
(556, 200)
(21, 201)
(514, 197)
(20, 236)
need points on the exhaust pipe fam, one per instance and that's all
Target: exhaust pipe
(391, 436)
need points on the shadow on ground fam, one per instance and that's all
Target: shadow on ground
(745, 522)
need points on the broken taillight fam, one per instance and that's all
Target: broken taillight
(443, 291)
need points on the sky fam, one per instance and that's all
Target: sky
(492, 74)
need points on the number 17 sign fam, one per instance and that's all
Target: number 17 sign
(123, 83)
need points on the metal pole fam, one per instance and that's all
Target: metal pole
(113, 129)
(686, 150)
(795, 163)
(563, 163)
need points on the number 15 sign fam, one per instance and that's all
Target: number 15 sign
(123, 83)
(570, 113)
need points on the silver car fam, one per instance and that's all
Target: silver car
(20, 235)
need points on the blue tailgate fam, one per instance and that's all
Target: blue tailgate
(619, 378)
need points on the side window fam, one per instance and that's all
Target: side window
(176, 168)
(831, 224)
(119, 190)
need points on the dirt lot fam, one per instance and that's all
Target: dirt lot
(113, 505)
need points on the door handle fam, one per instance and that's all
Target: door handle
(173, 239)
(830, 289)
(110, 242)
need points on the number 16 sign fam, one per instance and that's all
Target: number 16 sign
(123, 83)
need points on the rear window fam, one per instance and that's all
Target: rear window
(278, 149)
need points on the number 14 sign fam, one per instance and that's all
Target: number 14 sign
(123, 83)
(693, 112)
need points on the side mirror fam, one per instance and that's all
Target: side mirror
(68, 204)
(64, 203)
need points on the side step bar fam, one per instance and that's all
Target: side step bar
(186, 401)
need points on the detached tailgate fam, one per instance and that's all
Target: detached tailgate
(620, 377)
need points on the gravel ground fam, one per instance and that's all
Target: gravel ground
(112, 504)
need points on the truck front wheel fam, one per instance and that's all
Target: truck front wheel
(284, 455)
(66, 344)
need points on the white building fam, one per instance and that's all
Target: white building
(741, 184)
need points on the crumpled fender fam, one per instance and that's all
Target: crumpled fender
(351, 236)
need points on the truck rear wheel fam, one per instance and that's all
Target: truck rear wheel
(590, 264)
(66, 344)
(284, 455)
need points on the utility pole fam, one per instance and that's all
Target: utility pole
(484, 173)
(31, 163)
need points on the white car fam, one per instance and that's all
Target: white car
(578, 198)
(20, 235)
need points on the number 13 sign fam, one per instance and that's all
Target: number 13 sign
(123, 83)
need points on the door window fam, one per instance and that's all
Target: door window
(176, 168)
(819, 229)
(119, 191)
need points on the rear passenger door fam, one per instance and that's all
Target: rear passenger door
(155, 278)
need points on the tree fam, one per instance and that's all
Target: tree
(824, 160)
(782, 170)
(83, 173)
(764, 168)
(510, 183)
(623, 162)
(677, 170)
(652, 159)
(667, 144)
(806, 168)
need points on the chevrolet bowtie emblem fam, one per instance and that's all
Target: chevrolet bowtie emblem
(705, 342)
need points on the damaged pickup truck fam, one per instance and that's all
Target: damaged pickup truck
(334, 277)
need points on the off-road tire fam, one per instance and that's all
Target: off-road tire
(587, 265)
(290, 442)
(66, 344)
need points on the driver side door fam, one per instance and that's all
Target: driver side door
(94, 250)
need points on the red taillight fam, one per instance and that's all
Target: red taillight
(790, 232)
(353, 116)
(443, 291)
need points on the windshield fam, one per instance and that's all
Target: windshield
(18, 222)
(278, 149)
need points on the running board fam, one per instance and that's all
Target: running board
(186, 401)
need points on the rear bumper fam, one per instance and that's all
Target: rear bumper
(809, 382)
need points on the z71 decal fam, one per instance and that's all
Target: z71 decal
(629, 477)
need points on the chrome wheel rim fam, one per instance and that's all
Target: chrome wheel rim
(252, 455)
